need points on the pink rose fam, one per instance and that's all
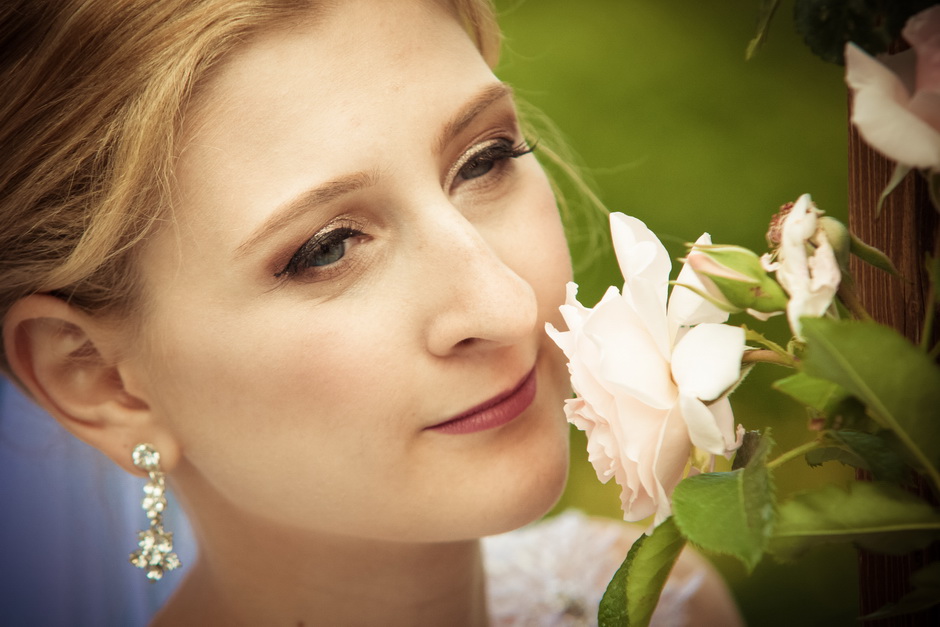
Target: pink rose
(897, 97)
(649, 385)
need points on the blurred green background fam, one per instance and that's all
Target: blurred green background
(675, 127)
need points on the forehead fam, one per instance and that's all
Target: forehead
(314, 97)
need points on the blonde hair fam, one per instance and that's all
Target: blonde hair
(93, 97)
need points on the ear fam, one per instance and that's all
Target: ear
(68, 361)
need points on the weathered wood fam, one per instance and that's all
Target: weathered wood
(906, 231)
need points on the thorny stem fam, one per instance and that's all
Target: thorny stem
(767, 356)
(793, 453)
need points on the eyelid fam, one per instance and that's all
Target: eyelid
(287, 270)
(517, 148)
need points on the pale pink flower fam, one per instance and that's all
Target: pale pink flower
(805, 264)
(896, 105)
(649, 384)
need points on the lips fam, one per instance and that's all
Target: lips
(495, 412)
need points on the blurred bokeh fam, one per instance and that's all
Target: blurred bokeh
(673, 126)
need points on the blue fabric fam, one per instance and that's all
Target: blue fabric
(68, 521)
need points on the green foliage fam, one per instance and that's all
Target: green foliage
(900, 173)
(764, 17)
(819, 394)
(826, 25)
(867, 451)
(871, 255)
(742, 280)
(879, 516)
(926, 593)
(898, 383)
(632, 594)
(729, 512)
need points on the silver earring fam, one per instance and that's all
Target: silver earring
(155, 554)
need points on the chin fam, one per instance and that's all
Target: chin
(537, 480)
(542, 494)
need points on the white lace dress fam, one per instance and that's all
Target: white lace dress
(555, 573)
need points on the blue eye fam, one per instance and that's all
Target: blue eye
(323, 249)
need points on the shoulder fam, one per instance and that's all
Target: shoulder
(556, 571)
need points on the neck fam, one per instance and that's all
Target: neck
(252, 571)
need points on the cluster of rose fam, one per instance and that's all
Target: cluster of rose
(653, 368)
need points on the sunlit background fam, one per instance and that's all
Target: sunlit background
(676, 128)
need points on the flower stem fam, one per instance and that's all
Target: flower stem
(849, 298)
(793, 453)
(927, 330)
(767, 356)
(931, 303)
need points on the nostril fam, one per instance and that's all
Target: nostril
(466, 342)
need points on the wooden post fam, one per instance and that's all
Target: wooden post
(907, 230)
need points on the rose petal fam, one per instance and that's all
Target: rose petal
(724, 419)
(923, 33)
(703, 431)
(629, 359)
(926, 106)
(707, 361)
(687, 308)
(824, 270)
(904, 66)
(643, 297)
(672, 453)
(640, 254)
(881, 113)
(601, 445)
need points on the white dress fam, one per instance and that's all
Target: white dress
(554, 573)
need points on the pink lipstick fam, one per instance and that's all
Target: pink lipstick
(493, 413)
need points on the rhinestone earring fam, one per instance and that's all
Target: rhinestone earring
(155, 554)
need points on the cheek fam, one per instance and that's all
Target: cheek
(539, 249)
(250, 369)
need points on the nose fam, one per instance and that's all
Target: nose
(477, 301)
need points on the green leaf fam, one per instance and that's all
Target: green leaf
(933, 185)
(879, 516)
(926, 594)
(871, 255)
(868, 451)
(634, 591)
(872, 24)
(750, 445)
(767, 10)
(933, 271)
(899, 174)
(821, 395)
(729, 512)
(898, 383)
(819, 456)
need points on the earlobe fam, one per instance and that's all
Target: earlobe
(62, 357)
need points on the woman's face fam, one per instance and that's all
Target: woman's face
(361, 253)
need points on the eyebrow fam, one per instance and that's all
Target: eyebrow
(286, 213)
(467, 113)
(321, 194)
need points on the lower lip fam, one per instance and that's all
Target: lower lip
(496, 415)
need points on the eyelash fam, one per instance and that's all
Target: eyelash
(320, 243)
(491, 153)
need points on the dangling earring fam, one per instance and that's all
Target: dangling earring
(155, 554)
